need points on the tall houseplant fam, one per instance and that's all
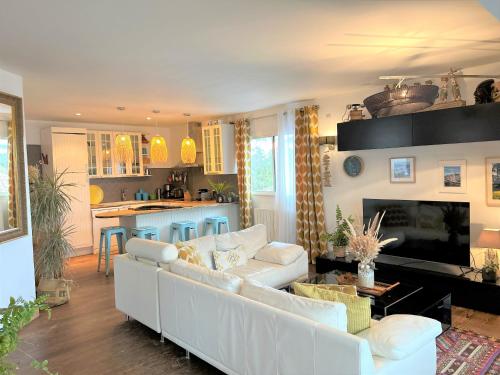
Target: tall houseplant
(50, 205)
(338, 237)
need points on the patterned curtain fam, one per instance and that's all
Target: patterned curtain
(12, 188)
(242, 140)
(310, 211)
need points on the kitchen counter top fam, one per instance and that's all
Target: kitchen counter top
(134, 202)
(179, 205)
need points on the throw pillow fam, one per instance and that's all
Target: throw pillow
(229, 259)
(358, 308)
(311, 289)
(189, 254)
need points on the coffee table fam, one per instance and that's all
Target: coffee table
(405, 298)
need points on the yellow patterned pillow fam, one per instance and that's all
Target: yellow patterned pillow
(228, 259)
(189, 254)
(358, 308)
(309, 290)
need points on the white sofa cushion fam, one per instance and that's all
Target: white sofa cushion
(272, 274)
(252, 239)
(279, 253)
(332, 314)
(217, 279)
(154, 251)
(228, 259)
(204, 246)
(398, 336)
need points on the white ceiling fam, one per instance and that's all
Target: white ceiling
(226, 56)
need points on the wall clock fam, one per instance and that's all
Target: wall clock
(353, 165)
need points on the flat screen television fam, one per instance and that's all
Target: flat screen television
(426, 230)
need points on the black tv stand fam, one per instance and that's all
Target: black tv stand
(467, 288)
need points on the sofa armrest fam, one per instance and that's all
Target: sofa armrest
(279, 253)
(398, 336)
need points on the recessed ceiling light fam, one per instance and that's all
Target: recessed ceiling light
(148, 118)
(120, 108)
(78, 114)
(156, 111)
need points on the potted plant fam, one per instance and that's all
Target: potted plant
(219, 188)
(50, 205)
(490, 269)
(13, 318)
(338, 238)
(366, 244)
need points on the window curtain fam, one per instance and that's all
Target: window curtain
(309, 205)
(285, 198)
(242, 141)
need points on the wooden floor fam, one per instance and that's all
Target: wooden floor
(88, 336)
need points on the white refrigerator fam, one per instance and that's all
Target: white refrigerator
(66, 149)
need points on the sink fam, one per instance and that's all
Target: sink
(154, 207)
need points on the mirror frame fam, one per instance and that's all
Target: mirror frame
(21, 229)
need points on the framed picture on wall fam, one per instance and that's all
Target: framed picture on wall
(402, 170)
(493, 181)
(453, 176)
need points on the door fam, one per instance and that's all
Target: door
(70, 152)
(105, 154)
(92, 154)
(217, 149)
(207, 150)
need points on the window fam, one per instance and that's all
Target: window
(263, 164)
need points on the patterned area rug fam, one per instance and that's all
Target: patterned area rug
(462, 352)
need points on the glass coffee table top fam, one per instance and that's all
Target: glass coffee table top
(380, 304)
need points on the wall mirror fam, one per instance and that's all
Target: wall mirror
(13, 212)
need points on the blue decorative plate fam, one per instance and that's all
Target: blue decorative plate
(353, 165)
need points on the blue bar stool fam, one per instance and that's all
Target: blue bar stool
(183, 229)
(150, 233)
(105, 239)
(216, 222)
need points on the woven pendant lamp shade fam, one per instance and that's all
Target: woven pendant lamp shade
(123, 148)
(188, 150)
(159, 151)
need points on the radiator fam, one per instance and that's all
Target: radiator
(266, 217)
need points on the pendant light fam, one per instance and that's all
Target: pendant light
(158, 150)
(123, 146)
(188, 147)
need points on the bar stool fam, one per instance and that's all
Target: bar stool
(184, 230)
(150, 233)
(105, 239)
(216, 222)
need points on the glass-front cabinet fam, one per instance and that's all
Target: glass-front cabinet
(101, 158)
(218, 149)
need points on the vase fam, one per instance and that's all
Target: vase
(366, 275)
(339, 251)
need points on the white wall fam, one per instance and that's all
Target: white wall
(16, 256)
(173, 134)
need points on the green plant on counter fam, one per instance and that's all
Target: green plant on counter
(12, 319)
(219, 187)
(50, 205)
(338, 237)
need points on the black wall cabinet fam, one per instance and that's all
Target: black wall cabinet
(477, 123)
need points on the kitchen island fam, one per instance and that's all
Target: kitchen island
(161, 214)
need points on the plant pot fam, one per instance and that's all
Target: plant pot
(366, 276)
(490, 275)
(56, 290)
(219, 198)
(339, 251)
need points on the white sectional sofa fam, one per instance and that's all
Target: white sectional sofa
(244, 326)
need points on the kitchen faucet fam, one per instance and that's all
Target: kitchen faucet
(124, 194)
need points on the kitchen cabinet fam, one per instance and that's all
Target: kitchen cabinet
(66, 151)
(218, 149)
(101, 159)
